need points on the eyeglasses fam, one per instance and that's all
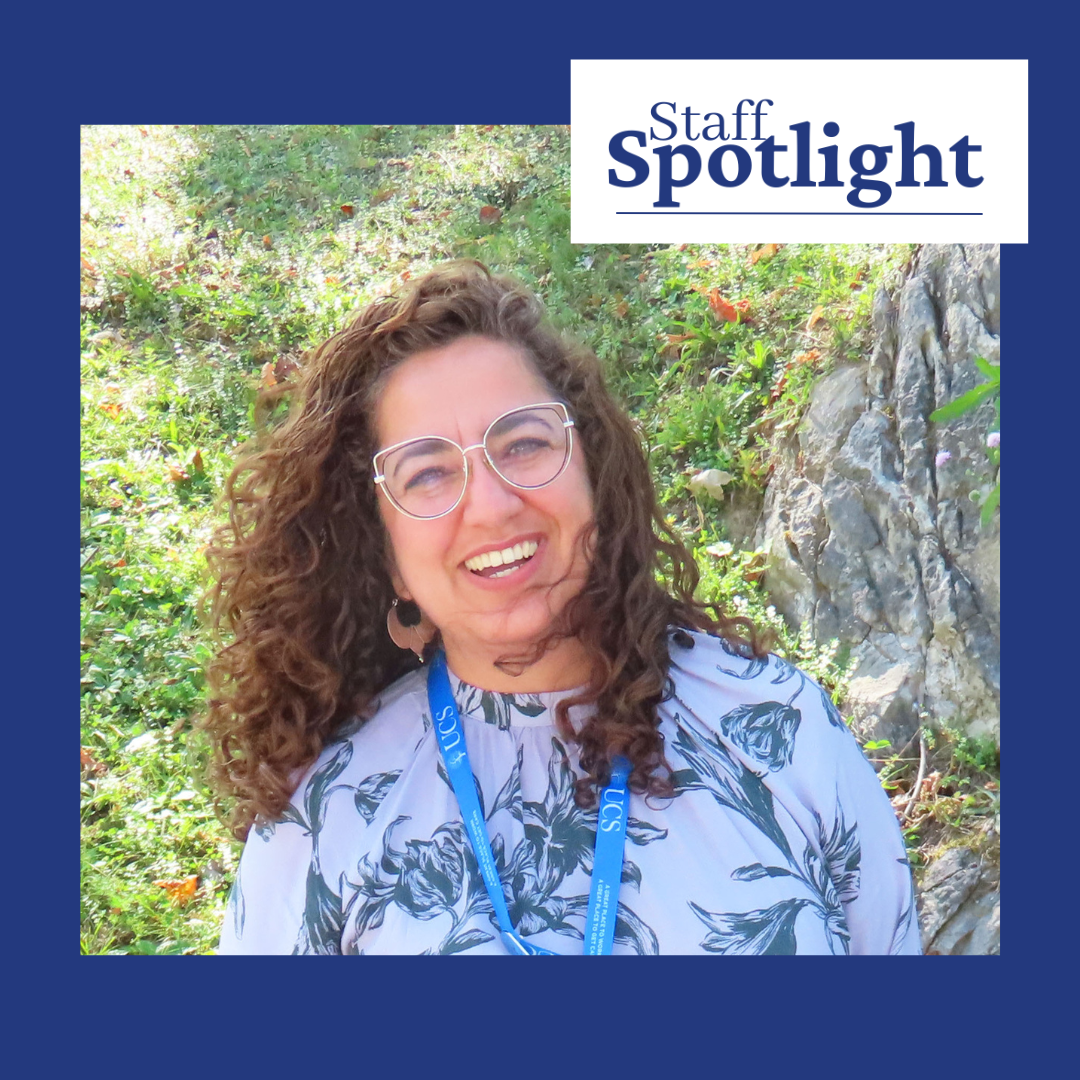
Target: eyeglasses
(528, 447)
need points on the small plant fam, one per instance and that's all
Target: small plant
(945, 787)
(733, 578)
(965, 403)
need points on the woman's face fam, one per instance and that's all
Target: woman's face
(456, 392)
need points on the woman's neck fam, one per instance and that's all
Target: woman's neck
(563, 666)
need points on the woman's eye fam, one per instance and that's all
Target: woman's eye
(521, 447)
(430, 477)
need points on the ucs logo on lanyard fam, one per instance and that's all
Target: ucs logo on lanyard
(610, 828)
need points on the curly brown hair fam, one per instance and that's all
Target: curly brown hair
(300, 586)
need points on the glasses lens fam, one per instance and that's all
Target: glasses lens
(425, 477)
(529, 447)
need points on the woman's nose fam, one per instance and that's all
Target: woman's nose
(486, 493)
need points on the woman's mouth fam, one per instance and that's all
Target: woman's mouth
(497, 564)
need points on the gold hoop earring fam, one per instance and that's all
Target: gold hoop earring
(409, 627)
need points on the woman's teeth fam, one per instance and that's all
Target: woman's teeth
(509, 557)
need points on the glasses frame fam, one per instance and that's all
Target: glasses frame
(568, 426)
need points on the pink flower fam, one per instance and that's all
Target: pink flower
(993, 440)
(943, 457)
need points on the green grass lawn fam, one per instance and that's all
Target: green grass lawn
(212, 258)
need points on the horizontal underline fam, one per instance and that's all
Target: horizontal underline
(809, 213)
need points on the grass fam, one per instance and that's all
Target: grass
(212, 257)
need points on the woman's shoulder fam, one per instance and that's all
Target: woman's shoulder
(761, 707)
(711, 656)
(405, 698)
(380, 742)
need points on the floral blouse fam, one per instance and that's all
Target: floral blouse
(779, 838)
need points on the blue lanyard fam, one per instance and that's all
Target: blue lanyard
(610, 828)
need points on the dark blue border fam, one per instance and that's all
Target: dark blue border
(136, 62)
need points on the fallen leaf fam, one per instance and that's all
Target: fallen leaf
(673, 348)
(489, 215)
(809, 357)
(753, 560)
(766, 252)
(197, 462)
(815, 317)
(178, 474)
(382, 195)
(331, 280)
(721, 308)
(113, 408)
(180, 892)
(267, 241)
(622, 309)
(284, 367)
(212, 287)
(347, 209)
(267, 376)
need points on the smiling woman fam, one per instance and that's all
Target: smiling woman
(465, 561)
(455, 684)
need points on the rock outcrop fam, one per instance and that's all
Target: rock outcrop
(871, 531)
(960, 905)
